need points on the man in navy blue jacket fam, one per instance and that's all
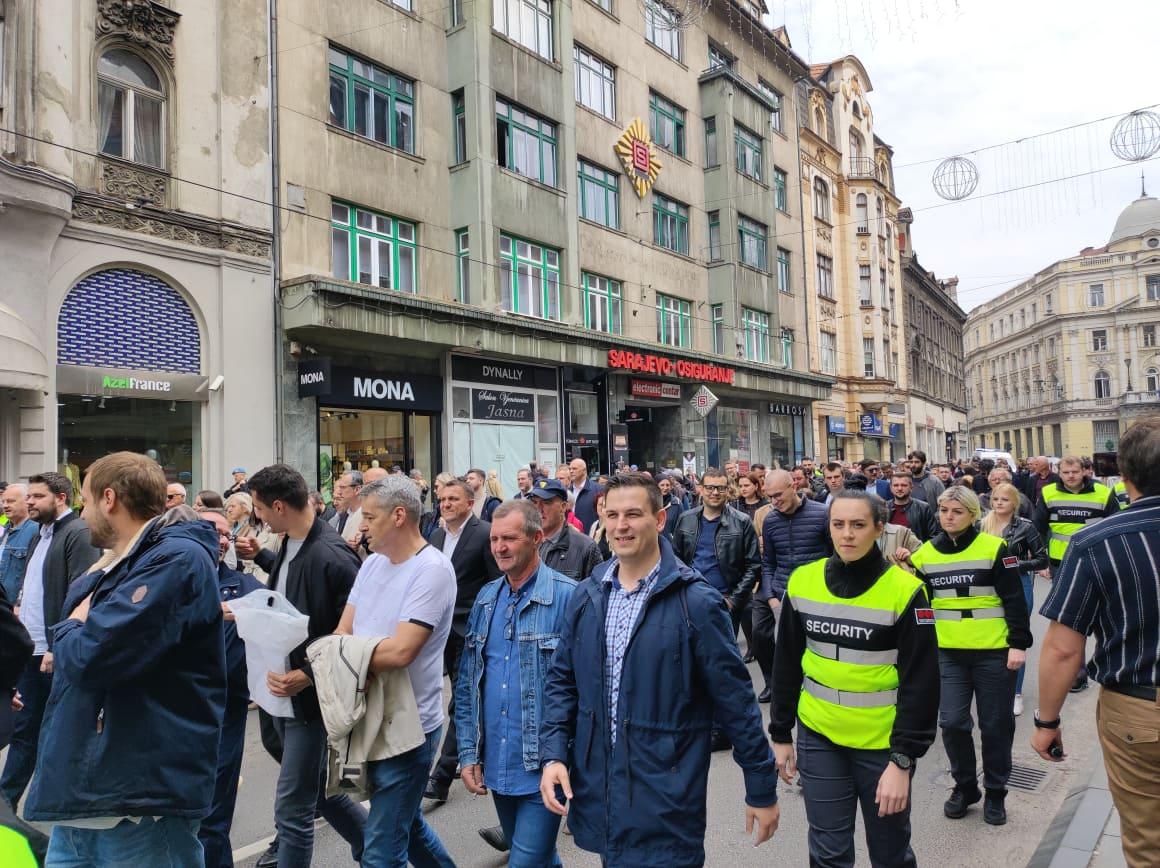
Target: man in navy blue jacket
(647, 661)
(129, 744)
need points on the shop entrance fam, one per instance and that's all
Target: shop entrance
(495, 446)
(654, 437)
(375, 438)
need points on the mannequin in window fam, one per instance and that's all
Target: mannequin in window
(73, 473)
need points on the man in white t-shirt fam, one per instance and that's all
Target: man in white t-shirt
(405, 591)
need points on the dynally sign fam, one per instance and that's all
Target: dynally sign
(646, 363)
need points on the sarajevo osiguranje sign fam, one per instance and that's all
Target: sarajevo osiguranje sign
(646, 363)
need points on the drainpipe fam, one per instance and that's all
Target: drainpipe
(275, 221)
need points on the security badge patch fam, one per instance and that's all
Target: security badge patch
(1011, 561)
(924, 616)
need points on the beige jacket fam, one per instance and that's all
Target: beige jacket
(894, 537)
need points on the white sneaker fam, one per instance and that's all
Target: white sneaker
(1018, 704)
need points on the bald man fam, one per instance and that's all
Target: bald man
(374, 475)
(582, 493)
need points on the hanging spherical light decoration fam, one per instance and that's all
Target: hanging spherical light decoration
(955, 178)
(1136, 136)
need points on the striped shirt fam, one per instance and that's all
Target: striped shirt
(1109, 585)
(623, 610)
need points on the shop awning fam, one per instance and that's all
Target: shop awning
(22, 362)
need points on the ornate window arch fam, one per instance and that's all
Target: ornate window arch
(1152, 380)
(131, 102)
(861, 212)
(819, 121)
(821, 198)
(1103, 385)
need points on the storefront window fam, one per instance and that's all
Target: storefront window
(734, 436)
(383, 438)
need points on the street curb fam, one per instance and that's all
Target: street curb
(1076, 828)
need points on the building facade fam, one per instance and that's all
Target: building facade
(1064, 362)
(136, 297)
(934, 355)
(535, 230)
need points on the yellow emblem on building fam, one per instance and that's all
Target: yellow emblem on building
(639, 157)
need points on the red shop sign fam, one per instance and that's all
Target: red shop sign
(646, 363)
(654, 389)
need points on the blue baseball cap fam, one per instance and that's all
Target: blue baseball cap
(546, 489)
(238, 470)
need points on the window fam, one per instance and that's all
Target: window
(1022, 318)
(856, 149)
(756, 325)
(864, 287)
(894, 367)
(711, 159)
(1152, 287)
(783, 275)
(1103, 385)
(717, 314)
(370, 101)
(821, 199)
(670, 224)
(606, 5)
(751, 238)
(825, 276)
(1047, 303)
(529, 278)
(602, 303)
(861, 218)
(714, 236)
(130, 108)
(1051, 348)
(1099, 340)
(819, 122)
(462, 267)
(1096, 295)
(1149, 335)
(881, 219)
(455, 11)
(787, 347)
(674, 321)
(595, 83)
(372, 248)
(992, 330)
(599, 195)
(1152, 380)
(868, 358)
(666, 124)
(882, 289)
(748, 152)
(528, 22)
(459, 124)
(525, 143)
(660, 28)
(780, 184)
(1034, 312)
(829, 353)
(719, 58)
(771, 94)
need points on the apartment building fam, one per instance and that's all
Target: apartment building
(1064, 362)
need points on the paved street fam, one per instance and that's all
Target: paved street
(947, 843)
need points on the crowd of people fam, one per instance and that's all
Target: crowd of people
(595, 631)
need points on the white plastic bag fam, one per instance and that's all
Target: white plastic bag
(271, 628)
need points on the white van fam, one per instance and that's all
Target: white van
(996, 456)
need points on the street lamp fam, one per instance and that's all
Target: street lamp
(1128, 365)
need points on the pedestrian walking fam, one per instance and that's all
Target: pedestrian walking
(515, 627)
(239, 484)
(927, 487)
(1108, 585)
(131, 729)
(646, 661)
(904, 509)
(405, 592)
(582, 493)
(983, 633)
(15, 541)
(857, 670)
(564, 548)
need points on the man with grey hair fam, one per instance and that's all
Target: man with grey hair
(405, 592)
(523, 482)
(15, 541)
(175, 495)
(348, 501)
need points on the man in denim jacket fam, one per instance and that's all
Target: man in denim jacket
(15, 540)
(512, 634)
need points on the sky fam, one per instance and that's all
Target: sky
(951, 78)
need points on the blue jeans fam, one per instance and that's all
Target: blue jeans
(300, 782)
(530, 828)
(396, 830)
(834, 781)
(1029, 596)
(214, 833)
(984, 677)
(34, 687)
(167, 842)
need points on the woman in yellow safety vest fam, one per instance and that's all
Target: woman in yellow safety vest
(856, 669)
(983, 635)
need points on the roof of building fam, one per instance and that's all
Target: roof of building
(1139, 217)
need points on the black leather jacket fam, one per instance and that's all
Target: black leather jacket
(921, 516)
(1025, 543)
(736, 545)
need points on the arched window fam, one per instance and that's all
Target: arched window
(855, 149)
(821, 199)
(1152, 380)
(881, 218)
(861, 213)
(819, 121)
(857, 109)
(130, 108)
(1103, 385)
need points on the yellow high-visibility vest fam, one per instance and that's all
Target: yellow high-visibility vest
(1067, 513)
(968, 613)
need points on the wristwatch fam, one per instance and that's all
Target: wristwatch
(1046, 724)
(901, 760)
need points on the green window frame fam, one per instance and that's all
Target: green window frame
(603, 300)
(714, 236)
(599, 195)
(674, 321)
(595, 82)
(783, 272)
(529, 277)
(756, 326)
(525, 143)
(749, 148)
(787, 347)
(780, 186)
(711, 158)
(670, 224)
(774, 96)
(372, 248)
(717, 317)
(660, 28)
(462, 265)
(371, 101)
(666, 121)
(751, 237)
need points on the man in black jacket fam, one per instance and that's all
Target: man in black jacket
(315, 570)
(582, 492)
(902, 509)
(58, 554)
(564, 548)
(465, 539)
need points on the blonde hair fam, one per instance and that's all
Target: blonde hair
(247, 502)
(963, 495)
(492, 485)
(990, 523)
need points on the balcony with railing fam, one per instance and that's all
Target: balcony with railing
(863, 168)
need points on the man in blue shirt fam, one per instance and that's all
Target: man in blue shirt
(512, 634)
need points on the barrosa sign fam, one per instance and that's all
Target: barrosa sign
(647, 363)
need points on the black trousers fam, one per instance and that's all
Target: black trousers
(984, 677)
(764, 635)
(448, 760)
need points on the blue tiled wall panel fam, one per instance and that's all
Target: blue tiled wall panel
(121, 318)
